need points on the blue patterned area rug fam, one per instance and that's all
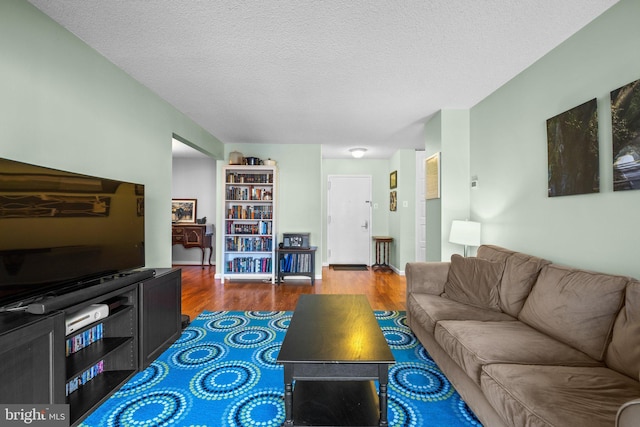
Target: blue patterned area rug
(223, 372)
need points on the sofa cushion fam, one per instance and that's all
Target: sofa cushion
(474, 281)
(473, 344)
(623, 353)
(526, 395)
(430, 309)
(520, 273)
(577, 307)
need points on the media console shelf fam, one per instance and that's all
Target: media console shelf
(110, 360)
(40, 365)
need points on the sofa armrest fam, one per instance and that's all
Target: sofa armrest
(426, 277)
(629, 414)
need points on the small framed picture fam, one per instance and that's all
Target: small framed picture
(393, 201)
(393, 179)
(183, 211)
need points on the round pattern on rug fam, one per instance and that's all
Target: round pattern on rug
(263, 408)
(419, 382)
(402, 322)
(226, 323)
(399, 338)
(189, 336)
(263, 314)
(144, 380)
(422, 354)
(402, 413)
(162, 407)
(281, 323)
(386, 315)
(251, 337)
(462, 410)
(198, 355)
(224, 380)
(267, 356)
(207, 315)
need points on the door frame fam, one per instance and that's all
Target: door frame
(328, 210)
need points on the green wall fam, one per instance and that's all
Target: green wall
(448, 133)
(402, 223)
(65, 106)
(509, 152)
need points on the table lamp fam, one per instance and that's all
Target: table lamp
(465, 233)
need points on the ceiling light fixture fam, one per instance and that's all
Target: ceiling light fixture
(358, 152)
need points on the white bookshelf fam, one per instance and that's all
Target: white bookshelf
(249, 229)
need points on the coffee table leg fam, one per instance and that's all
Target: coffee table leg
(288, 395)
(382, 395)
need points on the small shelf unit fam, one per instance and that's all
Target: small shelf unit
(250, 218)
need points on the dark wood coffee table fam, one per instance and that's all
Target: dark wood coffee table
(334, 350)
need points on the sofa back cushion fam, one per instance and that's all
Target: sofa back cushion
(520, 273)
(623, 354)
(474, 281)
(575, 306)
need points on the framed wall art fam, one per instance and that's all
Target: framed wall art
(393, 179)
(573, 152)
(183, 211)
(393, 201)
(432, 177)
(625, 120)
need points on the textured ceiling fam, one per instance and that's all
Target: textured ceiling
(366, 73)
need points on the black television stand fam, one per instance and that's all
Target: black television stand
(102, 286)
(40, 364)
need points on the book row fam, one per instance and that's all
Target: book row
(249, 244)
(249, 178)
(250, 212)
(86, 338)
(85, 377)
(249, 265)
(249, 193)
(295, 263)
(261, 227)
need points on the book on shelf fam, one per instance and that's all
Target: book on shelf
(249, 265)
(77, 382)
(249, 244)
(261, 227)
(295, 263)
(84, 339)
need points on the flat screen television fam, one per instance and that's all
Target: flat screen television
(61, 231)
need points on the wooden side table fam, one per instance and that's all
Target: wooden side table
(193, 236)
(382, 253)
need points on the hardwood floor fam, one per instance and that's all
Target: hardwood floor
(200, 291)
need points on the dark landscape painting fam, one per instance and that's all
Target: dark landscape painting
(572, 139)
(625, 119)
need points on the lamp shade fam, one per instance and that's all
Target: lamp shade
(465, 233)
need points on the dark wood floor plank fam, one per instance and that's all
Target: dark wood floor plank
(201, 291)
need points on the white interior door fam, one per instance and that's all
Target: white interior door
(349, 219)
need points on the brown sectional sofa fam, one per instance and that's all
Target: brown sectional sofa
(530, 343)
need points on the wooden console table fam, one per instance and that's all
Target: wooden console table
(382, 253)
(193, 236)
